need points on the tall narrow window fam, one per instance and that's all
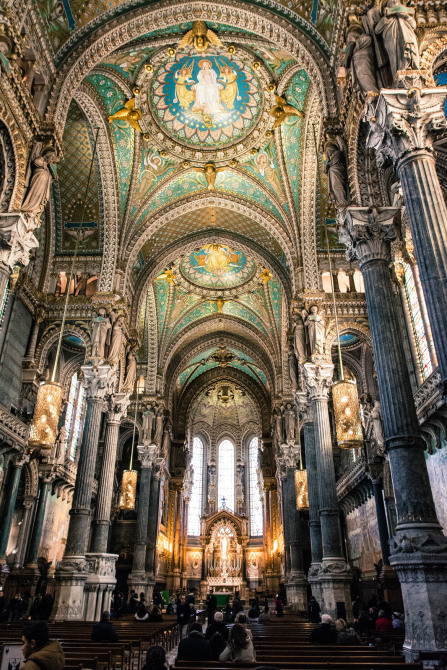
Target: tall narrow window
(74, 415)
(420, 336)
(255, 497)
(3, 301)
(195, 503)
(225, 475)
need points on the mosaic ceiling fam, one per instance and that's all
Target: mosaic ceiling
(217, 266)
(225, 404)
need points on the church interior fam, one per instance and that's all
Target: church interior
(223, 304)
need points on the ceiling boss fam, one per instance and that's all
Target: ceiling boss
(204, 101)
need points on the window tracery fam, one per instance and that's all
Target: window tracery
(195, 503)
(74, 416)
(225, 475)
(420, 336)
(255, 499)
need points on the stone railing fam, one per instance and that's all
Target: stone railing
(12, 430)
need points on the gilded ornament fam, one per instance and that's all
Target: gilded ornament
(282, 111)
(171, 52)
(200, 36)
(149, 67)
(231, 49)
(129, 114)
(168, 275)
(210, 171)
(256, 65)
(136, 90)
(146, 137)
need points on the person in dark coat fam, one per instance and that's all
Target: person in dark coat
(155, 658)
(313, 610)
(211, 606)
(103, 631)
(217, 627)
(183, 612)
(194, 647)
(324, 633)
(155, 615)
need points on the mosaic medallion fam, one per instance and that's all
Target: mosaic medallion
(206, 101)
(217, 266)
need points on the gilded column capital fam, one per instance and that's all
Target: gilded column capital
(367, 233)
(98, 380)
(147, 455)
(406, 119)
(318, 380)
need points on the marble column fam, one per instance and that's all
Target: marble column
(9, 501)
(36, 534)
(152, 526)
(73, 570)
(335, 574)
(296, 582)
(146, 456)
(100, 528)
(313, 493)
(404, 123)
(419, 549)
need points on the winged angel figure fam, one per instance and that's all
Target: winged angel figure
(128, 113)
(200, 36)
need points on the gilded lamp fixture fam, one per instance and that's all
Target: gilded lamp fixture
(130, 477)
(302, 495)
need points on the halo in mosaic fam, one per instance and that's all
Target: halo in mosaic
(217, 266)
(206, 101)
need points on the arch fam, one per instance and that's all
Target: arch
(50, 337)
(137, 22)
(19, 156)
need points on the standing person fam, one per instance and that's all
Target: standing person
(39, 652)
(237, 605)
(279, 606)
(313, 610)
(103, 631)
(240, 646)
(182, 617)
(211, 606)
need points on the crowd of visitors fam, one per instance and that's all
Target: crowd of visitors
(25, 607)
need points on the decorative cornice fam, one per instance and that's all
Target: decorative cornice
(367, 233)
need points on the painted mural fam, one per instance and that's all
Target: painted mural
(217, 266)
(206, 101)
(437, 472)
(363, 537)
(154, 168)
(264, 166)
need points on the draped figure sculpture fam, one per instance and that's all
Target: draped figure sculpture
(397, 27)
(38, 178)
(101, 330)
(316, 329)
(360, 59)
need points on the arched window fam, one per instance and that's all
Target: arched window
(255, 493)
(420, 336)
(195, 503)
(74, 415)
(225, 475)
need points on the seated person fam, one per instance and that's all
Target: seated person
(264, 617)
(240, 646)
(39, 652)
(397, 622)
(103, 631)
(253, 612)
(324, 633)
(155, 615)
(242, 619)
(383, 624)
(345, 635)
(141, 614)
(217, 626)
(155, 658)
(194, 647)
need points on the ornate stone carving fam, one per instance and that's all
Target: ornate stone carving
(146, 455)
(424, 543)
(102, 565)
(119, 403)
(17, 239)
(367, 233)
(97, 380)
(406, 118)
(318, 380)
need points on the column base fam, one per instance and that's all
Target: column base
(71, 575)
(314, 582)
(423, 580)
(99, 584)
(335, 578)
(296, 590)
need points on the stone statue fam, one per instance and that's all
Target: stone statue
(101, 328)
(38, 178)
(131, 372)
(360, 58)
(240, 482)
(61, 444)
(337, 172)
(278, 429)
(293, 375)
(316, 329)
(376, 420)
(148, 423)
(289, 421)
(397, 27)
(159, 420)
(167, 437)
(116, 344)
(299, 339)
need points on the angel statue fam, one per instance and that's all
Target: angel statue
(282, 111)
(210, 171)
(38, 178)
(168, 275)
(316, 330)
(131, 372)
(129, 114)
(397, 27)
(200, 36)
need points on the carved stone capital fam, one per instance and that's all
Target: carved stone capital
(318, 380)
(16, 239)
(118, 405)
(304, 407)
(21, 459)
(407, 118)
(146, 455)
(367, 233)
(97, 380)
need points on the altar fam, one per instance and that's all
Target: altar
(224, 560)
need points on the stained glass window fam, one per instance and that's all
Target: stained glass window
(3, 302)
(417, 323)
(74, 415)
(225, 475)
(195, 503)
(255, 499)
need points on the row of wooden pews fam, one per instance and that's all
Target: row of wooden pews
(126, 654)
(284, 644)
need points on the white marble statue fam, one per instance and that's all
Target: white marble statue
(316, 329)
(131, 372)
(117, 341)
(38, 178)
(101, 328)
(397, 27)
